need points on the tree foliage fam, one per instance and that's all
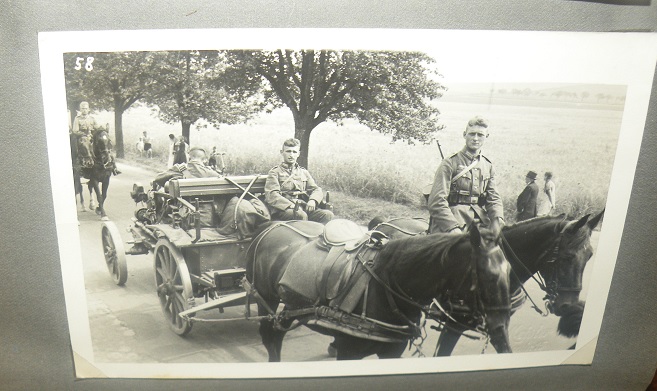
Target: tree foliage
(189, 87)
(388, 91)
(115, 82)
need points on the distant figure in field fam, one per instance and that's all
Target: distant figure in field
(180, 155)
(526, 203)
(212, 161)
(290, 192)
(140, 147)
(148, 147)
(464, 188)
(550, 191)
(172, 150)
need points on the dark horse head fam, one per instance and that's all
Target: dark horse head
(84, 152)
(557, 250)
(101, 172)
(481, 279)
(405, 276)
(552, 250)
(102, 149)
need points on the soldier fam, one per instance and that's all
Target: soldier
(526, 202)
(84, 124)
(195, 168)
(290, 192)
(241, 217)
(464, 190)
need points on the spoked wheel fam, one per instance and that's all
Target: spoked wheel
(114, 253)
(174, 286)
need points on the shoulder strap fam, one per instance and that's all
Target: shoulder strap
(465, 170)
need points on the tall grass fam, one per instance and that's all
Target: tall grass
(577, 145)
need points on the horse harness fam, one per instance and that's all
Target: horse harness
(365, 252)
(552, 286)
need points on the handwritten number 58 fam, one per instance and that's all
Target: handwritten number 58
(88, 64)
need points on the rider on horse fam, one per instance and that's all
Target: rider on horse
(464, 186)
(84, 124)
(464, 191)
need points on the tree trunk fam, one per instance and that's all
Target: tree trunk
(185, 130)
(73, 113)
(118, 130)
(302, 130)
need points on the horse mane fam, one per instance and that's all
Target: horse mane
(557, 223)
(415, 252)
(537, 221)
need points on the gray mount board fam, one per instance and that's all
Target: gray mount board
(34, 329)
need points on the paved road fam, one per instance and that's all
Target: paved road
(127, 324)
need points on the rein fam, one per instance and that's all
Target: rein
(426, 309)
(551, 288)
(398, 228)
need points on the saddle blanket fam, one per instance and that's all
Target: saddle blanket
(335, 280)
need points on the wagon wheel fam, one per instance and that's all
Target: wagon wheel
(114, 252)
(174, 286)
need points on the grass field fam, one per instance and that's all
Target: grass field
(368, 175)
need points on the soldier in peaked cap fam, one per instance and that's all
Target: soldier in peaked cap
(526, 202)
(291, 192)
(464, 189)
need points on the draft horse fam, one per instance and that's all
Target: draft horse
(101, 172)
(83, 161)
(406, 275)
(554, 252)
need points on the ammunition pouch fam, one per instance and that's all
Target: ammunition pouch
(482, 199)
(462, 197)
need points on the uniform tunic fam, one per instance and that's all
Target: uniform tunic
(285, 185)
(472, 196)
(84, 125)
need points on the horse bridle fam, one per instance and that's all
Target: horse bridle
(105, 153)
(85, 161)
(552, 288)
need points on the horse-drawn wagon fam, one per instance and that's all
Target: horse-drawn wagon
(183, 225)
(192, 259)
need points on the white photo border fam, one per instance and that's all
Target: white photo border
(511, 56)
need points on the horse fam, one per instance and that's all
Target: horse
(403, 277)
(82, 161)
(555, 249)
(99, 174)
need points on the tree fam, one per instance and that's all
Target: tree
(112, 81)
(76, 67)
(189, 87)
(390, 92)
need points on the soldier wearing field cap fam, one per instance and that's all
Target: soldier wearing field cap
(291, 192)
(464, 189)
(84, 124)
(526, 203)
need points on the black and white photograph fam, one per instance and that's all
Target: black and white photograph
(282, 203)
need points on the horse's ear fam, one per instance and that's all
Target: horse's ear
(578, 224)
(592, 223)
(475, 236)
